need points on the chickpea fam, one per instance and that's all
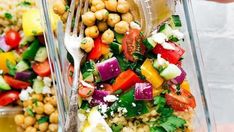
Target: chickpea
(46, 100)
(97, 5)
(38, 97)
(38, 116)
(123, 6)
(36, 125)
(102, 26)
(54, 117)
(48, 108)
(53, 101)
(31, 129)
(122, 27)
(19, 119)
(27, 103)
(127, 17)
(113, 19)
(108, 36)
(19, 129)
(111, 5)
(64, 17)
(92, 32)
(29, 121)
(43, 126)
(53, 127)
(38, 107)
(87, 44)
(101, 14)
(89, 18)
(59, 7)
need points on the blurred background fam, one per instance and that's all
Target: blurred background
(215, 26)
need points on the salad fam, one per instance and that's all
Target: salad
(132, 82)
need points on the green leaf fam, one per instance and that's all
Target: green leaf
(35, 101)
(11, 67)
(159, 100)
(43, 119)
(8, 15)
(30, 112)
(157, 129)
(176, 121)
(24, 3)
(85, 105)
(168, 127)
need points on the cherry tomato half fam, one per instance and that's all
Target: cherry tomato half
(17, 84)
(70, 74)
(8, 97)
(12, 38)
(85, 91)
(182, 101)
(42, 69)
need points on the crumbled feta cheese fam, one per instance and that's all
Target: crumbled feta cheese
(112, 113)
(133, 104)
(88, 110)
(46, 90)
(159, 38)
(29, 90)
(89, 99)
(103, 108)
(122, 111)
(39, 78)
(81, 117)
(134, 25)
(178, 34)
(168, 46)
(161, 62)
(47, 81)
(110, 98)
(1, 72)
(24, 95)
(86, 84)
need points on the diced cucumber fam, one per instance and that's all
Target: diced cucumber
(41, 54)
(149, 43)
(116, 47)
(38, 85)
(31, 51)
(119, 37)
(25, 40)
(22, 66)
(88, 76)
(170, 72)
(166, 29)
(3, 84)
(175, 21)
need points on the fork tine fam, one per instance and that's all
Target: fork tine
(82, 25)
(77, 19)
(70, 16)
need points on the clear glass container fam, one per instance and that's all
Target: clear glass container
(151, 13)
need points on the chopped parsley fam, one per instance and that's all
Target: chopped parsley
(43, 119)
(67, 8)
(24, 3)
(116, 127)
(30, 112)
(8, 15)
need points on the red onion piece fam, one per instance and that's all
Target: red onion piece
(179, 79)
(3, 44)
(109, 69)
(143, 91)
(98, 97)
(25, 75)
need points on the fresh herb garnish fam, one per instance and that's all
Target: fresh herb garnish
(24, 3)
(85, 105)
(43, 119)
(173, 39)
(67, 8)
(8, 15)
(11, 67)
(116, 127)
(30, 112)
(35, 101)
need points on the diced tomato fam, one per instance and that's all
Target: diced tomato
(173, 56)
(17, 84)
(99, 49)
(70, 74)
(182, 101)
(42, 69)
(8, 97)
(132, 42)
(125, 80)
(108, 87)
(85, 91)
(12, 38)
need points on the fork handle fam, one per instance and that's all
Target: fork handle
(71, 124)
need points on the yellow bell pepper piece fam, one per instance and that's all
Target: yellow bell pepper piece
(3, 59)
(185, 85)
(151, 74)
(31, 21)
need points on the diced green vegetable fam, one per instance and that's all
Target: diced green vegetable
(22, 66)
(170, 72)
(125, 101)
(149, 43)
(119, 37)
(166, 29)
(175, 21)
(41, 54)
(116, 47)
(88, 76)
(3, 84)
(11, 67)
(31, 51)
(26, 40)
(38, 85)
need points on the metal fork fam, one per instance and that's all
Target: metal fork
(72, 44)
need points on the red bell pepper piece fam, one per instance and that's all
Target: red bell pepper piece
(17, 84)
